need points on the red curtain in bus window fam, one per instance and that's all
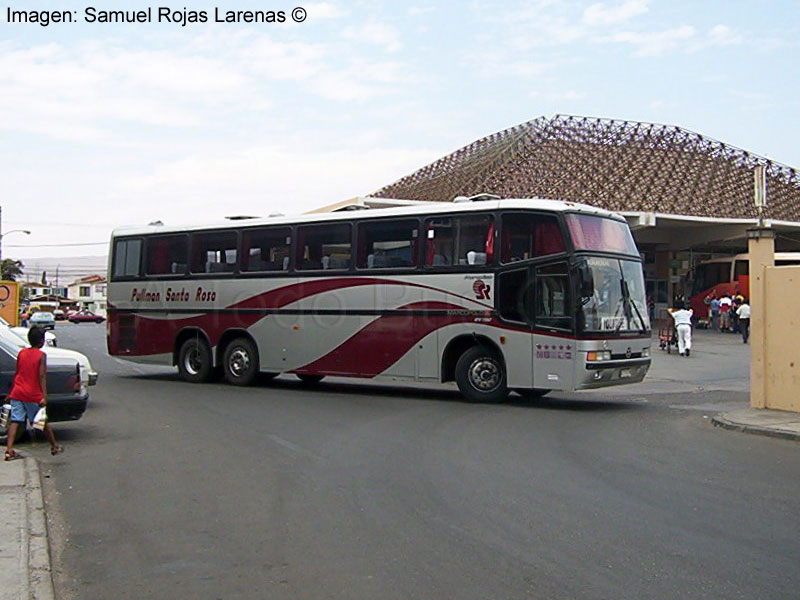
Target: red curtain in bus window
(547, 238)
(244, 259)
(159, 256)
(301, 248)
(490, 244)
(361, 251)
(429, 249)
(505, 242)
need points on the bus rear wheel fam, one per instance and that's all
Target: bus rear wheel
(481, 375)
(310, 379)
(240, 362)
(194, 360)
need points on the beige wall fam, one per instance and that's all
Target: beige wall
(782, 339)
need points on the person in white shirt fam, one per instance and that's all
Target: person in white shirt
(683, 323)
(743, 312)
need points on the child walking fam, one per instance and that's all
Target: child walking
(29, 392)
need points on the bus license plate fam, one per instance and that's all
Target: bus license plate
(624, 373)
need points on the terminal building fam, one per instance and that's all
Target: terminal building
(687, 198)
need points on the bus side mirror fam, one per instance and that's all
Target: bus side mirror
(586, 281)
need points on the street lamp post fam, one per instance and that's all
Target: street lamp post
(2, 235)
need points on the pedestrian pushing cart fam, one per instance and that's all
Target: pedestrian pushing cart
(667, 334)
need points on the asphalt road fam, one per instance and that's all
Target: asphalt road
(351, 490)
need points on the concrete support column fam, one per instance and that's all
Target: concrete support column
(761, 247)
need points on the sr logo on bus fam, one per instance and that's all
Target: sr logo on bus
(481, 290)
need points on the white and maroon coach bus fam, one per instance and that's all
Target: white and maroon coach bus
(496, 295)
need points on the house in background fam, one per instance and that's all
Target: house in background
(36, 290)
(90, 293)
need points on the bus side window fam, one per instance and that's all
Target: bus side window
(167, 255)
(463, 241)
(387, 244)
(214, 252)
(127, 256)
(742, 268)
(266, 249)
(527, 236)
(323, 247)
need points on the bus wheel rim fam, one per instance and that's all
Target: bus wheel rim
(485, 375)
(239, 362)
(193, 361)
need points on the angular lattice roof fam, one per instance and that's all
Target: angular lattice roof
(617, 165)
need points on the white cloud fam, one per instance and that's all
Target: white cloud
(722, 35)
(601, 14)
(324, 10)
(375, 33)
(558, 96)
(654, 43)
(416, 11)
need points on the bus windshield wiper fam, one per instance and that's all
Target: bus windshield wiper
(626, 295)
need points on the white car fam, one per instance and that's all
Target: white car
(20, 340)
(49, 336)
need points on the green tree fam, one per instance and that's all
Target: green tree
(10, 269)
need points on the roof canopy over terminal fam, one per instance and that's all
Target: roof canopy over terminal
(624, 166)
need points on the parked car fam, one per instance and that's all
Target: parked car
(85, 316)
(67, 398)
(42, 319)
(20, 340)
(49, 336)
(59, 314)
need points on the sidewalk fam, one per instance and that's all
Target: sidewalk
(763, 421)
(24, 550)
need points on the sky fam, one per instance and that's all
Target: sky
(106, 125)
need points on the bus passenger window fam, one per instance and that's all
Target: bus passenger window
(167, 255)
(127, 255)
(527, 236)
(387, 244)
(214, 252)
(266, 249)
(462, 241)
(323, 247)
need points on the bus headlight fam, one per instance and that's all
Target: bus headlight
(598, 356)
(645, 352)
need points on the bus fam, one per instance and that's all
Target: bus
(529, 295)
(727, 275)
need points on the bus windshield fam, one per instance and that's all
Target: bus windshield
(613, 295)
(589, 232)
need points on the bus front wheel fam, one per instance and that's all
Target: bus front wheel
(194, 360)
(481, 375)
(240, 362)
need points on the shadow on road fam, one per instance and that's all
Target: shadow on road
(408, 392)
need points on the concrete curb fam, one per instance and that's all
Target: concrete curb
(25, 550)
(772, 423)
(40, 575)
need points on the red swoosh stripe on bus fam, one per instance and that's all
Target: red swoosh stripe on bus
(280, 297)
(376, 347)
(156, 336)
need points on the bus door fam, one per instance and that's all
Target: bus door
(554, 351)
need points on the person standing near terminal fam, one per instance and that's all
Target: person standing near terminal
(683, 323)
(714, 304)
(743, 312)
(29, 392)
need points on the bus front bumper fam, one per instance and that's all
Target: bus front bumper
(612, 372)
